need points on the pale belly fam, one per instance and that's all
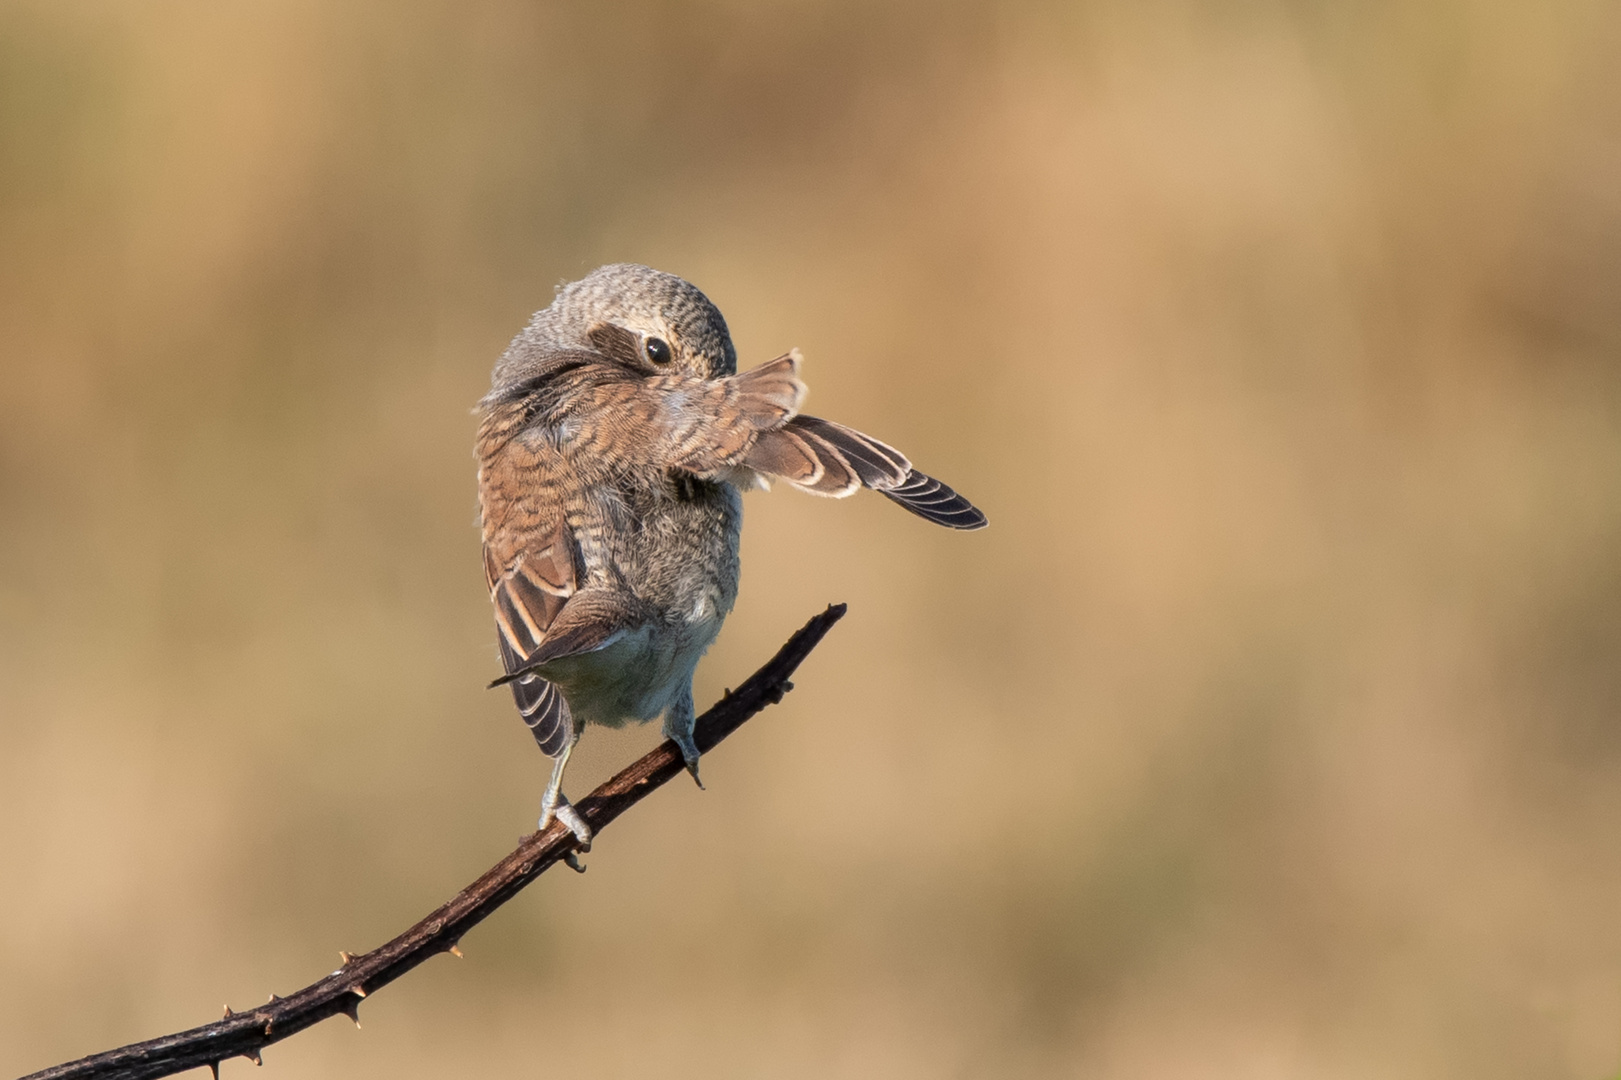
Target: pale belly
(636, 676)
(680, 557)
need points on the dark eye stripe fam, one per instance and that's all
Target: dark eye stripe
(658, 351)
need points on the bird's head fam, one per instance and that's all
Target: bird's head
(630, 314)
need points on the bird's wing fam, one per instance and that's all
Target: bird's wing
(707, 426)
(754, 400)
(540, 704)
(933, 501)
(825, 458)
(592, 619)
(751, 421)
(677, 422)
(533, 570)
(531, 575)
(540, 616)
(530, 569)
(766, 396)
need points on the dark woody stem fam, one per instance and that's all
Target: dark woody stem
(244, 1034)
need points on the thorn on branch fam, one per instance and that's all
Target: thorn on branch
(214, 1067)
(455, 951)
(357, 990)
(228, 1012)
(347, 957)
(351, 1009)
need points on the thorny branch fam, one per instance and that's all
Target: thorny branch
(245, 1034)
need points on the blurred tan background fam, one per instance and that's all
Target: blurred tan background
(1271, 731)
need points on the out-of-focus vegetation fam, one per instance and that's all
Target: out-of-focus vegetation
(1271, 730)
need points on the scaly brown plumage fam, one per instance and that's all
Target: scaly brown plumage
(614, 444)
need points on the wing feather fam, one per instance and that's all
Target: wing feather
(933, 501)
(877, 464)
(771, 393)
(825, 458)
(784, 454)
(838, 478)
(540, 704)
(530, 568)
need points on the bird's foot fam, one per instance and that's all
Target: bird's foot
(576, 824)
(564, 811)
(678, 728)
(689, 755)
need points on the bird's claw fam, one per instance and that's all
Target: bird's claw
(682, 737)
(564, 811)
(569, 816)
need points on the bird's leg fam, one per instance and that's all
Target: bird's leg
(678, 723)
(555, 804)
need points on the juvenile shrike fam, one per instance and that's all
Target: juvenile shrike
(615, 442)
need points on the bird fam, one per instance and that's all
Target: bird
(613, 449)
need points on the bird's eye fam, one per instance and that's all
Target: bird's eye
(658, 351)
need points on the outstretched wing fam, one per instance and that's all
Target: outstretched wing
(750, 424)
(928, 498)
(830, 459)
(706, 427)
(825, 458)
